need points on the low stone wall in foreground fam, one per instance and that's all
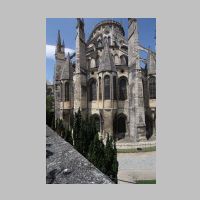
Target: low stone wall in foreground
(64, 165)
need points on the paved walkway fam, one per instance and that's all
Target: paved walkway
(136, 166)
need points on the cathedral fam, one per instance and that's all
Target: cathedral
(107, 81)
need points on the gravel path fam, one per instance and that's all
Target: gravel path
(136, 166)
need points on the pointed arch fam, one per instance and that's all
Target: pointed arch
(107, 87)
(120, 122)
(116, 59)
(123, 60)
(66, 91)
(152, 87)
(99, 43)
(123, 88)
(92, 63)
(93, 89)
(97, 61)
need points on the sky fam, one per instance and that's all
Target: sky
(67, 27)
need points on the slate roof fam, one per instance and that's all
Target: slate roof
(106, 60)
(65, 70)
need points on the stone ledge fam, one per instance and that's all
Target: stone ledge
(64, 165)
(129, 145)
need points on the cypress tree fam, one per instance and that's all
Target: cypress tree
(68, 136)
(77, 130)
(108, 157)
(114, 162)
(94, 151)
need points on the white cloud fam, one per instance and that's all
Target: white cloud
(50, 51)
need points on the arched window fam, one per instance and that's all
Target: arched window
(99, 44)
(88, 63)
(93, 91)
(121, 121)
(114, 88)
(107, 87)
(92, 63)
(116, 60)
(152, 87)
(122, 88)
(66, 91)
(123, 60)
(100, 93)
(97, 61)
(109, 41)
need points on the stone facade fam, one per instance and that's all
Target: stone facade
(107, 80)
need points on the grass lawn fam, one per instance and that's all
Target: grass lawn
(147, 149)
(146, 182)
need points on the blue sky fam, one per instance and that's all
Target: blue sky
(67, 27)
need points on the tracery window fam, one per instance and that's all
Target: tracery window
(100, 93)
(93, 91)
(114, 88)
(107, 87)
(109, 41)
(97, 61)
(122, 89)
(152, 87)
(66, 91)
(123, 60)
(116, 59)
(99, 44)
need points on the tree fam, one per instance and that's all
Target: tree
(68, 136)
(77, 130)
(111, 163)
(49, 110)
(60, 129)
(115, 162)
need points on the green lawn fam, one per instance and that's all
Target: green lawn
(146, 182)
(147, 149)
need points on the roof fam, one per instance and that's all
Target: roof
(106, 60)
(65, 165)
(65, 70)
(106, 22)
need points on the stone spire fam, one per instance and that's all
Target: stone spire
(106, 61)
(58, 47)
(80, 46)
(63, 47)
(151, 62)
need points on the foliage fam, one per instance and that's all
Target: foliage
(85, 139)
(77, 133)
(50, 119)
(111, 163)
(68, 136)
(60, 129)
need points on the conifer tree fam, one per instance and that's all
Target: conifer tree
(68, 136)
(114, 162)
(77, 130)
